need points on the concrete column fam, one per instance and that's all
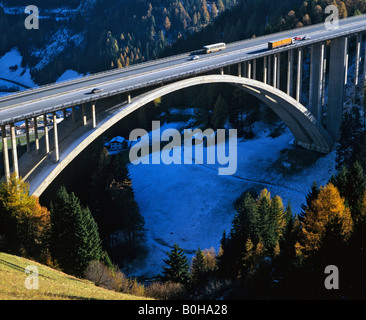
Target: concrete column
(5, 153)
(239, 69)
(299, 74)
(278, 81)
(222, 71)
(64, 112)
(36, 138)
(357, 66)
(73, 114)
(290, 59)
(46, 138)
(254, 71)
(93, 115)
(83, 114)
(265, 69)
(249, 70)
(275, 63)
(364, 72)
(337, 70)
(269, 59)
(14, 150)
(324, 74)
(55, 136)
(27, 134)
(129, 95)
(346, 68)
(245, 68)
(316, 80)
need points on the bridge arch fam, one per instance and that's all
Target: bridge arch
(307, 131)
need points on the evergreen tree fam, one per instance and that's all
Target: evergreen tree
(351, 184)
(116, 210)
(310, 197)
(75, 239)
(197, 267)
(177, 269)
(219, 112)
(350, 132)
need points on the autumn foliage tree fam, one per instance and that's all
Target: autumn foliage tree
(328, 211)
(24, 223)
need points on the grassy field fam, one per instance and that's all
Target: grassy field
(52, 284)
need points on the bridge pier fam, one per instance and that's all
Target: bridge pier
(73, 115)
(254, 72)
(93, 115)
(46, 138)
(265, 70)
(27, 134)
(5, 152)
(316, 79)
(299, 74)
(36, 138)
(357, 66)
(249, 69)
(83, 113)
(55, 136)
(337, 74)
(364, 71)
(290, 59)
(239, 69)
(14, 149)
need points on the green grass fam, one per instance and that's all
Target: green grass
(22, 140)
(52, 284)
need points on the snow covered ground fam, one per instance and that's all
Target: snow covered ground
(11, 69)
(192, 205)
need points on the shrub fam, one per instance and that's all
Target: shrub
(166, 291)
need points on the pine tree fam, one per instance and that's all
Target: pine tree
(197, 267)
(310, 197)
(75, 239)
(177, 269)
(350, 132)
(351, 184)
(219, 112)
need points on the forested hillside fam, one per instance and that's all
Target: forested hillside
(91, 36)
(255, 18)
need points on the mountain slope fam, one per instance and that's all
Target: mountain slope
(52, 285)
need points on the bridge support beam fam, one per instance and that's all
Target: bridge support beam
(55, 136)
(5, 153)
(265, 70)
(275, 64)
(14, 150)
(337, 73)
(46, 138)
(299, 74)
(357, 66)
(27, 134)
(254, 71)
(93, 115)
(239, 69)
(316, 79)
(290, 74)
(36, 138)
(278, 80)
(73, 115)
(249, 69)
(83, 114)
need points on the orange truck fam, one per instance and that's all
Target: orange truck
(280, 43)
